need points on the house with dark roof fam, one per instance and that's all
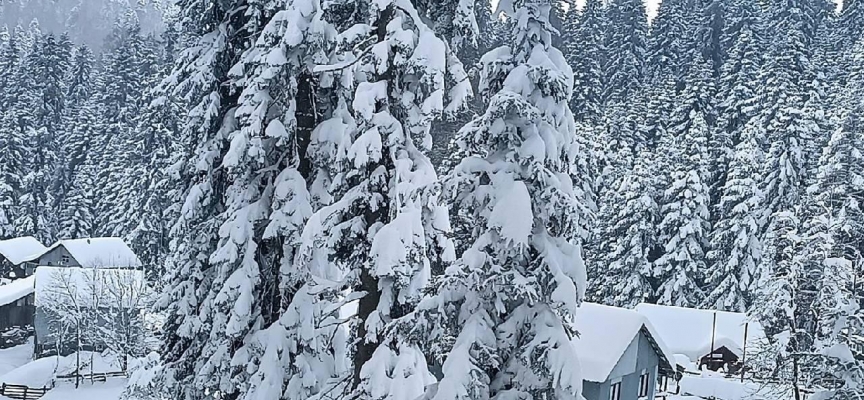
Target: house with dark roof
(621, 355)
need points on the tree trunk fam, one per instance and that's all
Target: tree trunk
(369, 283)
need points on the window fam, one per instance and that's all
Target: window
(64, 260)
(644, 382)
(615, 391)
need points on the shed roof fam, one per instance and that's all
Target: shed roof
(605, 333)
(105, 252)
(22, 249)
(688, 331)
(15, 290)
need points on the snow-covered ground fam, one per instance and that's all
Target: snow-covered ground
(717, 387)
(110, 390)
(15, 357)
(16, 367)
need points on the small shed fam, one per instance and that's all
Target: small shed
(17, 256)
(621, 355)
(714, 339)
(17, 303)
(106, 252)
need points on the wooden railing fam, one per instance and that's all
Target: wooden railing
(22, 392)
(94, 377)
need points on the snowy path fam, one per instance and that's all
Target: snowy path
(15, 357)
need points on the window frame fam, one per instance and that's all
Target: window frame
(64, 259)
(644, 384)
(615, 390)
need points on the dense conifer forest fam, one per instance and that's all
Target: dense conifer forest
(389, 199)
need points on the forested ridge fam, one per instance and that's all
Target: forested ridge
(371, 198)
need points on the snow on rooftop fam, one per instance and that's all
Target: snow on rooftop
(688, 331)
(89, 286)
(21, 249)
(604, 334)
(11, 292)
(108, 252)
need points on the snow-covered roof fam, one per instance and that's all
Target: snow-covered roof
(12, 291)
(102, 287)
(21, 249)
(605, 333)
(688, 331)
(107, 252)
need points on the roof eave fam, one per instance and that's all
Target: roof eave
(667, 369)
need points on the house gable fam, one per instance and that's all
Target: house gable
(640, 355)
(627, 363)
(58, 256)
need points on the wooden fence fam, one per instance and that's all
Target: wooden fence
(21, 392)
(94, 377)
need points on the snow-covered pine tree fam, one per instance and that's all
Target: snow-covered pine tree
(506, 304)
(13, 148)
(76, 218)
(10, 59)
(832, 257)
(624, 276)
(585, 49)
(190, 368)
(12, 152)
(810, 306)
(738, 213)
(684, 227)
(40, 111)
(80, 99)
(710, 32)
(79, 120)
(384, 227)
(738, 95)
(626, 37)
(736, 242)
(671, 41)
(790, 128)
(279, 317)
(128, 68)
(850, 24)
(852, 19)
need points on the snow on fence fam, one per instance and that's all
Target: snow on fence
(22, 392)
(94, 377)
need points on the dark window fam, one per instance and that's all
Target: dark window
(644, 381)
(615, 391)
(64, 260)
